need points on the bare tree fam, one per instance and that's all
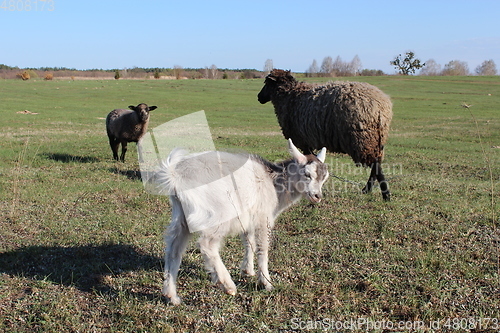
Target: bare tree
(355, 66)
(313, 70)
(456, 67)
(268, 66)
(214, 72)
(327, 66)
(177, 72)
(339, 67)
(488, 67)
(432, 68)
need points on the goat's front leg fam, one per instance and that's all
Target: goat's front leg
(176, 241)
(263, 235)
(248, 239)
(209, 247)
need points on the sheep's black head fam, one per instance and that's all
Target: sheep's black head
(277, 79)
(142, 110)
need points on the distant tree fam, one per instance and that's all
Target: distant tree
(313, 70)
(117, 74)
(355, 66)
(157, 75)
(326, 66)
(338, 67)
(488, 67)
(456, 67)
(214, 72)
(177, 72)
(432, 68)
(408, 64)
(268, 66)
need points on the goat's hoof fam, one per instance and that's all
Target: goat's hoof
(175, 300)
(246, 273)
(231, 292)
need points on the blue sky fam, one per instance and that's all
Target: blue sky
(243, 34)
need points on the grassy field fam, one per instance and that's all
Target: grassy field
(81, 241)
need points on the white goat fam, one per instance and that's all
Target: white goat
(219, 193)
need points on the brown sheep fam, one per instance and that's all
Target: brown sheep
(125, 126)
(345, 117)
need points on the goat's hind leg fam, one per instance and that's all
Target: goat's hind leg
(176, 241)
(248, 239)
(209, 247)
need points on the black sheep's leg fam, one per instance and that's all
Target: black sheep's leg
(371, 180)
(384, 186)
(124, 150)
(114, 143)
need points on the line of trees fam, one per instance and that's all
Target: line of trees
(457, 67)
(337, 67)
(407, 64)
(177, 72)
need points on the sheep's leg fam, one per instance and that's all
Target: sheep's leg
(209, 247)
(376, 174)
(114, 143)
(176, 240)
(372, 179)
(248, 239)
(263, 257)
(124, 150)
(384, 186)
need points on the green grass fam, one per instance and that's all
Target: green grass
(81, 241)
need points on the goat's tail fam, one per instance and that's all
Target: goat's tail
(165, 175)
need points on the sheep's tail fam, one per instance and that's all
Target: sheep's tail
(165, 177)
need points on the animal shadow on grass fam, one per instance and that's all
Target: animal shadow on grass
(130, 174)
(68, 158)
(84, 267)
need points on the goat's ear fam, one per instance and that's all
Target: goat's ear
(296, 154)
(322, 155)
(131, 107)
(151, 108)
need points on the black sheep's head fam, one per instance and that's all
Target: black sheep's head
(277, 79)
(142, 110)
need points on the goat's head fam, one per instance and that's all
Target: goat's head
(142, 110)
(276, 79)
(309, 172)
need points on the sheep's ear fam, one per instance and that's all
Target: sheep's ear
(322, 155)
(296, 154)
(151, 108)
(131, 107)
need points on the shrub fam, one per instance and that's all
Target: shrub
(24, 75)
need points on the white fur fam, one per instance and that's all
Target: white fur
(218, 194)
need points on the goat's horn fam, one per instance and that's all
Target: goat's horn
(322, 155)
